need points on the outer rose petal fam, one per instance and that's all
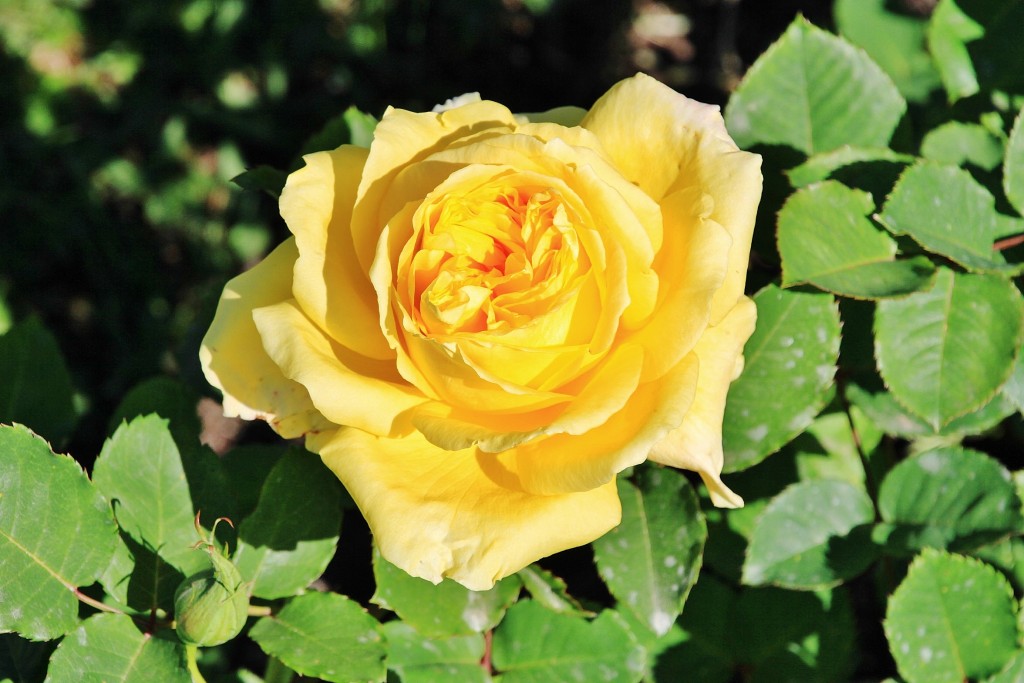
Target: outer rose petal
(233, 358)
(316, 203)
(683, 144)
(347, 388)
(438, 514)
(697, 444)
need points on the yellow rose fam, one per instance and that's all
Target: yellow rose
(483, 318)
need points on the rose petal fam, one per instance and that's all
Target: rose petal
(646, 128)
(456, 514)
(697, 444)
(683, 144)
(599, 397)
(233, 358)
(564, 463)
(334, 292)
(400, 138)
(693, 265)
(347, 388)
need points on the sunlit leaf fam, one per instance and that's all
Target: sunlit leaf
(826, 239)
(790, 357)
(441, 610)
(950, 498)
(814, 92)
(287, 541)
(951, 619)
(947, 212)
(418, 659)
(111, 648)
(945, 352)
(957, 144)
(651, 559)
(894, 40)
(1013, 165)
(535, 645)
(325, 635)
(56, 534)
(812, 535)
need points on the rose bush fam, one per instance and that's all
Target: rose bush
(483, 318)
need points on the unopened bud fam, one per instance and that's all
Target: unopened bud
(210, 607)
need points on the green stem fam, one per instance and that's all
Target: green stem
(260, 611)
(193, 667)
(93, 602)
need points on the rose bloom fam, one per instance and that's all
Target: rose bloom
(483, 318)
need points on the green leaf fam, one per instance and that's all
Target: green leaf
(948, 33)
(535, 645)
(550, 591)
(812, 535)
(791, 357)
(1008, 557)
(441, 610)
(351, 127)
(946, 351)
(952, 618)
(1013, 165)
(814, 92)
(976, 46)
(265, 178)
(829, 447)
(826, 239)
(418, 659)
(948, 213)
(140, 471)
(35, 387)
(894, 419)
(324, 635)
(211, 492)
(1013, 672)
(651, 559)
(56, 534)
(951, 498)
(957, 144)
(823, 166)
(360, 127)
(110, 648)
(895, 41)
(287, 541)
(169, 399)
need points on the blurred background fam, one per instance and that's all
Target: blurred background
(122, 123)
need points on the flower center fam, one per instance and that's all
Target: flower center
(493, 259)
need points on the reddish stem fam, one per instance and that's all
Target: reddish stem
(485, 661)
(1008, 242)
